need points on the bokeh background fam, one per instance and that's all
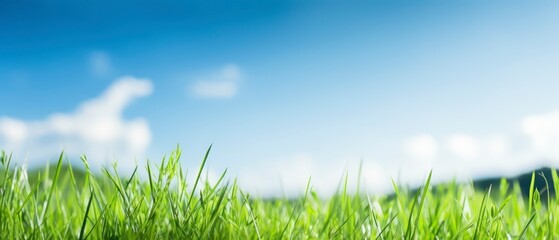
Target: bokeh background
(285, 90)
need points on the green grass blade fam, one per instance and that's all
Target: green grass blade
(53, 187)
(199, 174)
(84, 222)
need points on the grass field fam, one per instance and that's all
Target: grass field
(62, 203)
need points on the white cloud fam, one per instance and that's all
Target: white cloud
(534, 144)
(422, 147)
(543, 132)
(289, 175)
(96, 127)
(221, 84)
(463, 146)
(99, 63)
(497, 146)
(460, 156)
(13, 130)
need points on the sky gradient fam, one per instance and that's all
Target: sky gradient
(286, 90)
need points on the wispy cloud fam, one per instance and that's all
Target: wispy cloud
(99, 63)
(96, 128)
(223, 83)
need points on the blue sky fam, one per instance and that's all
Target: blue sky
(285, 90)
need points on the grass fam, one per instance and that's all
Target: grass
(63, 203)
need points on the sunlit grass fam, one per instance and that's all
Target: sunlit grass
(60, 203)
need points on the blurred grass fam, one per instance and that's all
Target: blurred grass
(63, 202)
